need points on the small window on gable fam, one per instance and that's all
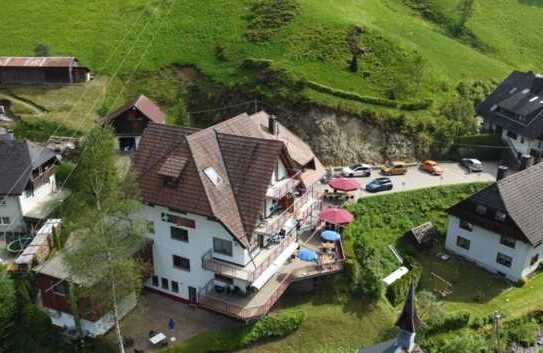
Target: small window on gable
(481, 210)
(500, 216)
(3, 201)
(213, 176)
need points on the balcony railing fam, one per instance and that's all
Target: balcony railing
(228, 306)
(245, 313)
(275, 223)
(249, 272)
(282, 187)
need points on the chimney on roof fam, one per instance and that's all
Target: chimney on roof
(273, 128)
(537, 84)
(526, 161)
(502, 172)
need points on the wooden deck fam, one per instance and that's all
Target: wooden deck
(258, 304)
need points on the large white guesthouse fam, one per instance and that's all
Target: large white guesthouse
(224, 206)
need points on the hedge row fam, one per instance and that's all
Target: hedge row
(272, 326)
(397, 291)
(416, 105)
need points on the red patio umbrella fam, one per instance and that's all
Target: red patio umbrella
(344, 184)
(336, 216)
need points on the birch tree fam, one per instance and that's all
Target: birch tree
(104, 231)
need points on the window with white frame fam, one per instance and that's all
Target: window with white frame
(504, 260)
(463, 243)
(5, 220)
(3, 201)
(222, 246)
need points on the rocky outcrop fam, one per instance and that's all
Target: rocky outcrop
(341, 138)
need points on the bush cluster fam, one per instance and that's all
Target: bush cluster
(41, 130)
(269, 16)
(417, 105)
(522, 331)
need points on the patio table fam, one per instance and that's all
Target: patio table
(156, 339)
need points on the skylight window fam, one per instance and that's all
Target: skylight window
(493, 107)
(212, 174)
(513, 90)
(534, 99)
(526, 90)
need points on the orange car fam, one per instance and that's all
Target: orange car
(394, 168)
(431, 167)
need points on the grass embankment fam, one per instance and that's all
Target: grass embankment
(386, 220)
(217, 36)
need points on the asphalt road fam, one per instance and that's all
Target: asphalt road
(453, 173)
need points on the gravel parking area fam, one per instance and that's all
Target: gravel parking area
(453, 173)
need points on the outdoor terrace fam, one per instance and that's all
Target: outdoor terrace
(258, 304)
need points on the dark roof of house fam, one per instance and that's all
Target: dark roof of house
(145, 106)
(225, 172)
(516, 104)
(49, 61)
(17, 160)
(519, 197)
(409, 320)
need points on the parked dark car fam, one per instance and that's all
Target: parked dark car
(472, 164)
(379, 184)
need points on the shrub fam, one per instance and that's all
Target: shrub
(523, 333)
(465, 343)
(397, 291)
(63, 172)
(40, 130)
(269, 16)
(272, 326)
(42, 50)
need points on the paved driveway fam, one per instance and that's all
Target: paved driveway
(417, 179)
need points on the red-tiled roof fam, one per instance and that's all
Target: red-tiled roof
(146, 106)
(224, 170)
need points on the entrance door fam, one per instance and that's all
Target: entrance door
(193, 297)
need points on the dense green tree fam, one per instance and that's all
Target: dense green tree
(8, 308)
(465, 12)
(180, 114)
(42, 50)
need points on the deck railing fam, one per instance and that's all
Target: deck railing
(273, 226)
(250, 272)
(246, 313)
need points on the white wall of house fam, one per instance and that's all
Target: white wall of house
(523, 145)
(40, 194)
(10, 208)
(484, 248)
(200, 241)
(280, 172)
(92, 328)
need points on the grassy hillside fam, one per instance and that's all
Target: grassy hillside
(410, 58)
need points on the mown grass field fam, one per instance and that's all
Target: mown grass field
(127, 35)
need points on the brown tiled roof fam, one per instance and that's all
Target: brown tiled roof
(238, 151)
(519, 196)
(146, 106)
(249, 163)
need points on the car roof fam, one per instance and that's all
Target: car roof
(473, 160)
(429, 161)
(382, 179)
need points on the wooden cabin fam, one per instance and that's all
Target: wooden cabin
(41, 70)
(130, 121)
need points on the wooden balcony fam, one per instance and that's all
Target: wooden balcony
(257, 304)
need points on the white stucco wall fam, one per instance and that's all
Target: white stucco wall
(279, 172)
(200, 241)
(485, 246)
(40, 194)
(12, 210)
(96, 328)
(521, 144)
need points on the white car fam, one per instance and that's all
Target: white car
(357, 170)
(472, 164)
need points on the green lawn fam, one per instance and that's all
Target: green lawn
(108, 35)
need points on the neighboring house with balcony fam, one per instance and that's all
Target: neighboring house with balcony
(224, 206)
(515, 111)
(129, 121)
(28, 189)
(500, 227)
